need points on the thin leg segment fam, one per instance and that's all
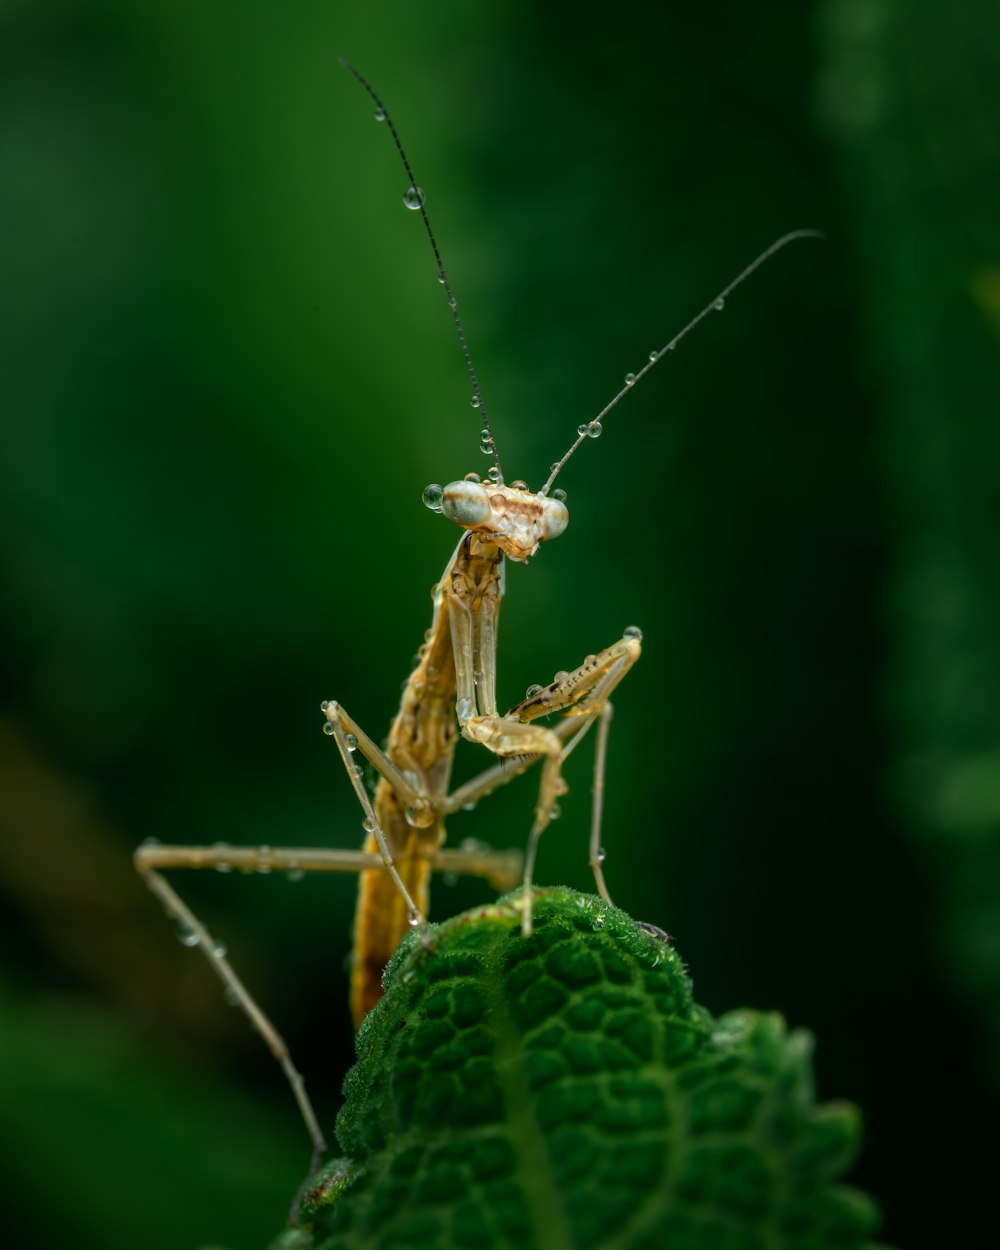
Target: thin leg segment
(582, 693)
(195, 934)
(501, 868)
(597, 801)
(342, 725)
(470, 792)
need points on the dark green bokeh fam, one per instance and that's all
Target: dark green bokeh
(227, 373)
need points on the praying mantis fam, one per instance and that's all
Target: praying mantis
(450, 693)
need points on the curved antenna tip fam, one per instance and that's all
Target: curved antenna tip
(714, 305)
(488, 444)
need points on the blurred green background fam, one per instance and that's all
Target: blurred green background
(227, 372)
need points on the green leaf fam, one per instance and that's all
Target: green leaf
(565, 1091)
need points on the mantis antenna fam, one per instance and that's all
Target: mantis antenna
(592, 429)
(414, 199)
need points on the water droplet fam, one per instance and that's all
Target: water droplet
(595, 429)
(719, 305)
(486, 447)
(432, 496)
(220, 950)
(357, 770)
(555, 811)
(472, 477)
(294, 872)
(464, 708)
(230, 997)
(532, 691)
(517, 484)
(324, 705)
(629, 379)
(426, 814)
(475, 401)
(187, 936)
(379, 114)
(328, 728)
(469, 807)
(559, 494)
(598, 922)
(442, 277)
(560, 676)
(351, 742)
(413, 918)
(602, 855)
(413, 198)
(654, 355)
(264, 852)
(633, 631)
(368, 825)
(222, 848)
(452, 302)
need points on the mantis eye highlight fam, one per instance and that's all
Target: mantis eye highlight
(555, 518)
(466, 503)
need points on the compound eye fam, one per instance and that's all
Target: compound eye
(555, 518)
(466, 503)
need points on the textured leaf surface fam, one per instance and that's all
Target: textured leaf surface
(566, 1091)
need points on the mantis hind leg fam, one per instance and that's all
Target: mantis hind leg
(196, 934)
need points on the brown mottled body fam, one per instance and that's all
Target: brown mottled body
(422, 745)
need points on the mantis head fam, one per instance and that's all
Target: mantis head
(513, 517)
